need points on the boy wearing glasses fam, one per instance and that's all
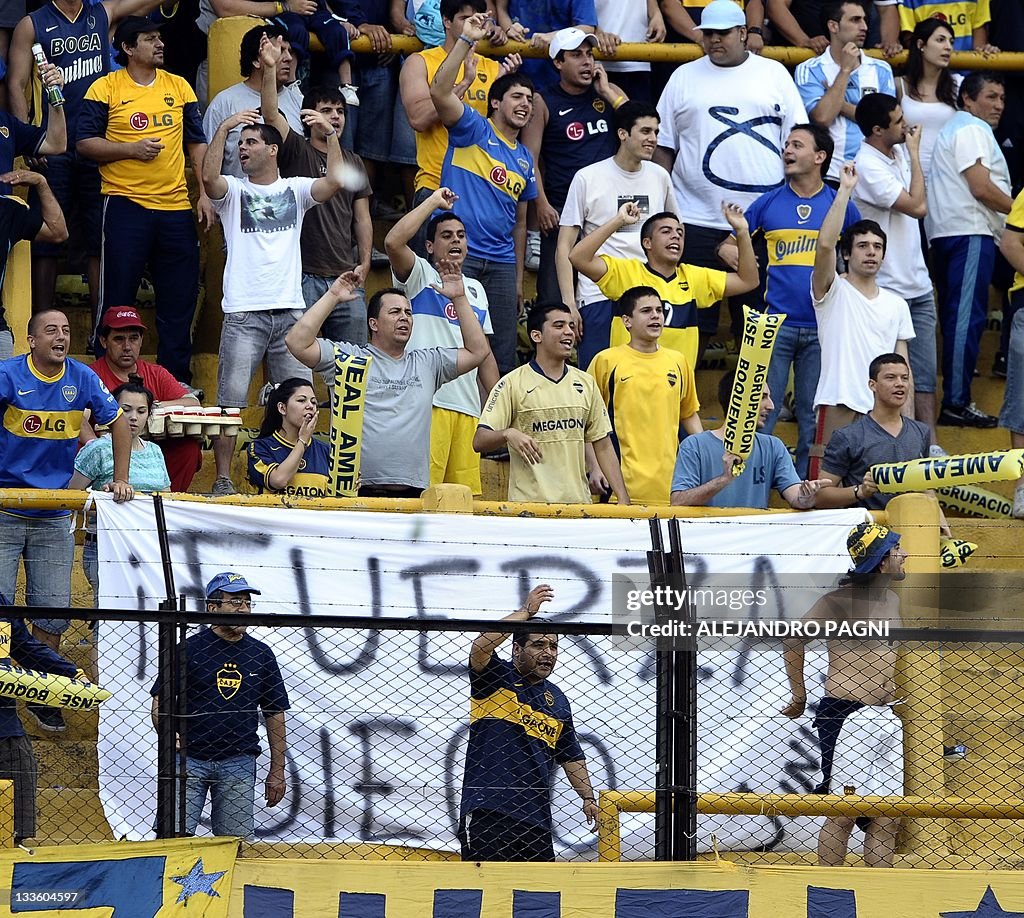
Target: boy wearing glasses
(228, 677)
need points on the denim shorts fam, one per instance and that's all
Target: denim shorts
(245, 338)
(922, 347)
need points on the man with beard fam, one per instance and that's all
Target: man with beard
(457, 403)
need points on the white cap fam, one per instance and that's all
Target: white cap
(569, 40)
(720, 15)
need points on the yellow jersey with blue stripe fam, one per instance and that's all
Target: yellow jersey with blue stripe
(121, 111)
(963, 16)
(1015, 224)
(790, 224)
(490, 176)
(312, 477)
(690, 288)
(41, 420)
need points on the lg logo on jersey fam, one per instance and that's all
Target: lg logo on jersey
(576, 131)
(33, 424)
(140, 121)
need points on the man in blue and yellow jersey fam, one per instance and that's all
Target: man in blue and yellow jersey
(491, 171)
(42, 397)
(136, 124)
(969, 20)
(546, 413)
(651, 397)
(789, 218)
(683, 288)
(520, 728)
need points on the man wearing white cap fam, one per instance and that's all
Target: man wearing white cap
(724, 119)
(861, 738)
(571, 128)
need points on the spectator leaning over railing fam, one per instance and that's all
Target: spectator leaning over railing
(286, 458)
(42, 399)
(520, 728)
(229, 678)
(402, 382)
(262, 218)
(703, 475)
(545, 413)
(94, 467)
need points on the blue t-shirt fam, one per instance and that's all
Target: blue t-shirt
(312, 477)
(41, 420)
(17, 139)
(518, 733)
(80, 47)
(578, 134)
(790, 225)
(550, 16)
(490, 176)
(226, 685)
(769, 465)
(17, 643)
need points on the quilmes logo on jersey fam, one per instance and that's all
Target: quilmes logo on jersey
(726, 114)
(229, 681)
(79, 46)
(140, 120)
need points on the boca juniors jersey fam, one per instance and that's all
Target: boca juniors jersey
(267, 453)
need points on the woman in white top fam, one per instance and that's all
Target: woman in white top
(928, 87)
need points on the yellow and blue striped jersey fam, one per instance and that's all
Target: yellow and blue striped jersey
(311, 480)
(120, 110)
(963, 16)
(490, 176)
(41, 420)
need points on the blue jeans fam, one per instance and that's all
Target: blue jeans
(232, 786)
(244, 340)
(963, 270)
(499, 282)
(379, 129)
(347, 321)
(48, 549)
(1012, 416)
(921, 348)
(799, 348)
(597, 330)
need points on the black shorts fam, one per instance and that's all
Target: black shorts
(487, 835)
(829, 723)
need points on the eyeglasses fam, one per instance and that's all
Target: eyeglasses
(236, 602)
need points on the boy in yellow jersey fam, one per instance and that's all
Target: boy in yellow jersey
(136, 123)
(650, 393)
(683, 288)
(544, 413)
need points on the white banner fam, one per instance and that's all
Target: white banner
(378, 720)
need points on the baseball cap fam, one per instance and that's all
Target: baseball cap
(131, 26)
(229, 582)
(569, 40)
(720, 15)
(122, 317)
(868, 544)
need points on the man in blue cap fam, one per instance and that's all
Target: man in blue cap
(861, 738)
(228, 677)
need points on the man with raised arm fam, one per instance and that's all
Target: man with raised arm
(521, 727)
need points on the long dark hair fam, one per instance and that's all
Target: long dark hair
(945, 89)
(272, 418)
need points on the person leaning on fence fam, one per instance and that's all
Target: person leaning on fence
(703, 475)
(17, 761)
(861, 738)
(228, 678)
(521, 727)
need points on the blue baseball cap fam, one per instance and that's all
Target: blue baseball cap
(868, 544)
(229, 582)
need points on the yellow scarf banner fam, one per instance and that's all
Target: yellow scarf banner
(351, 374)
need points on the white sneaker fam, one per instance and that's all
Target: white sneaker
(223, 487)
(532, 262)
(350, 94)
(1018, 504)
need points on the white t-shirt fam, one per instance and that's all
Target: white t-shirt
(852, 331)
(932, 118)
(952, 209)
(436, 324)
(239, 98)
(595, 196)
(628, 20)
(727, 126)
(881, 180)
(262, 225)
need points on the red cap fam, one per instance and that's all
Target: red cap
(122, 317)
